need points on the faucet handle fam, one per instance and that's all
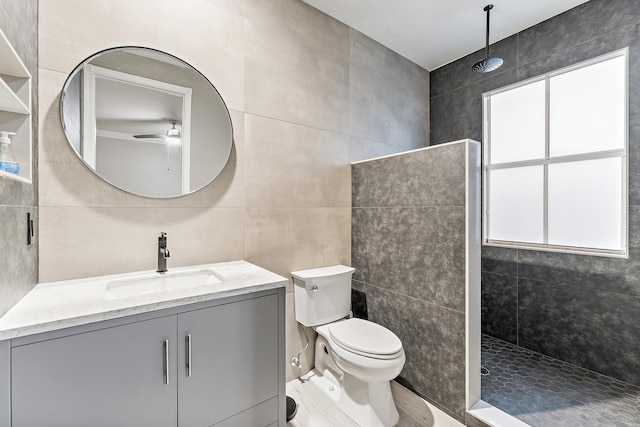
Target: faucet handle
(166, 253)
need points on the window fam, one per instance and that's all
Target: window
(555, 160)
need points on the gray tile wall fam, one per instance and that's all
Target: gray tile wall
(581, 309)
(19, 266)
(408, 249)
(474, 422)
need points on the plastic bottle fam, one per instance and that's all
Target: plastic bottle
(8, 161)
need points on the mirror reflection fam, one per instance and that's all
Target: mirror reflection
(146, 122)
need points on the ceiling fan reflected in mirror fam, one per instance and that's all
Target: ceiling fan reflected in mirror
(172, 135)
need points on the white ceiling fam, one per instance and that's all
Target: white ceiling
(433, 33)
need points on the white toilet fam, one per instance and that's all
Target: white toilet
(355, 359)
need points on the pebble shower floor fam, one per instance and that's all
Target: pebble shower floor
(545, 392)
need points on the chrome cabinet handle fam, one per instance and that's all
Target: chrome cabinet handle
(314, 289)
(166, 361)
(188, 347)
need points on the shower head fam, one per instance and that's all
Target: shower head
(488, 64)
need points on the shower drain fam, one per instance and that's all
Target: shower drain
(484, 371)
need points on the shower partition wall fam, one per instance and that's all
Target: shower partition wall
(416, 251)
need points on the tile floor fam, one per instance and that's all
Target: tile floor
(545, 392)
(316, 410)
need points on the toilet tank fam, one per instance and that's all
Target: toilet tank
(323, 294)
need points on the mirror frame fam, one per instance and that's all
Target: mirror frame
(100, 53)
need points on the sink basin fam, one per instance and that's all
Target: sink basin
(160, 282)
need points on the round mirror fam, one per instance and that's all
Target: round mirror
(146, 122)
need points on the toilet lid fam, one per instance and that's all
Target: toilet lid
(364, 337)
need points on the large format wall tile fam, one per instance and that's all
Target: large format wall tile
(569, 29)
(590, 273)
(126, 239)
(365, 149)
(596, 330)
(296, 65)
(295, 166)
(289, 239)
(625, 36)
(419, 252)
(408, 248)
(500, 306)
(385, 94)
(433, 338)
(72, 30)
(431, 177)
(475, 422)
(16, 193)
(458, 74)
(19, 271)
(293, 24)
(18, 22)
(499, 260)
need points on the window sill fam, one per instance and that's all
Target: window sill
(624, 254)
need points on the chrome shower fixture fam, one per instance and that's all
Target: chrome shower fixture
(488, 64)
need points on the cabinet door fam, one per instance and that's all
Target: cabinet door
(109, 377)
(234, 360)
(256, 416)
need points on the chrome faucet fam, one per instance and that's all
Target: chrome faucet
(163, 253)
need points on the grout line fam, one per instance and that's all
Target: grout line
(517, 296)
(564, 362)
(408, 296)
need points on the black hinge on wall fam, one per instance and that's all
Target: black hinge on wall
(29, 228)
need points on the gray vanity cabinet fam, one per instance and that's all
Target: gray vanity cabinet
(234, 362)
(108, 377)
(223, 362)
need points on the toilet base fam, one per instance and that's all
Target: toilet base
(368, 404)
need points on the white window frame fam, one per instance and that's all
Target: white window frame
(547, 160)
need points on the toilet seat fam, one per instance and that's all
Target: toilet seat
(367, 367)
(365, 338)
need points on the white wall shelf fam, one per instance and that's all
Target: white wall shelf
(9, 101)
(8, 175)
(15, 108)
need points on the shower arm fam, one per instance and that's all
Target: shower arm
(487, 8)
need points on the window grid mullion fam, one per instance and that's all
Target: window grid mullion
(486, 161)
(547, 156)
(560, 159)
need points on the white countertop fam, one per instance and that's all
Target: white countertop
(58, 305)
